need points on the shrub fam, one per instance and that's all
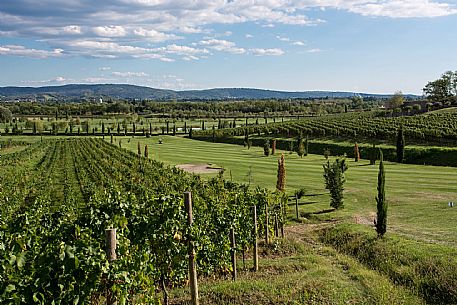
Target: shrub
(334, 181)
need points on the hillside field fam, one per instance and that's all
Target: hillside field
(418, 195)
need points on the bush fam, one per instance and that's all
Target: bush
(334, 181)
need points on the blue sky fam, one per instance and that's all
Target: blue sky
(376, 46)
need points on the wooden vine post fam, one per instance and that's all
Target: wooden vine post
(191, 251)
(283, 217)
(267, 240)
(296, 207)
(276, 226)
(111, 241)
(233, 254)
(254, 233)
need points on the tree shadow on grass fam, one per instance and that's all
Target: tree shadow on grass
(311, 214)
(303, 203)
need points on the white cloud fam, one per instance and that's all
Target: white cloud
(315, 50)
(298, 43)
(266, 52)
(72, 29)
(55, 80)
(222, 46)
(18, 50)
(121, 27)
(104, 68)
(129, 74)
(154, 36)
(285, 39)
(403, 8)
(110, 31)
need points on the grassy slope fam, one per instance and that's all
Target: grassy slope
(303, 275)
(418, 195)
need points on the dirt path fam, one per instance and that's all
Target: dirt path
(203, 168)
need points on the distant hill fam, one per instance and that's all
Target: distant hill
(78, 91)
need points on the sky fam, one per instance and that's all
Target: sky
(375, 46)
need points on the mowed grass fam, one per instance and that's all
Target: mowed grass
(307, 275)
(418, 195)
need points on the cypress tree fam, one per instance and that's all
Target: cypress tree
(190, 132)
(146, 151)
(356, 153)
(134, 128)
(214, 135)
(266, 148)
(306, 146)
(381, 221)
(185, 127)
(300, 147)
(400, 146)
(103, 128)
(139, 149)
(34, 127)
(281, 182)
(373, 155)
(111, 139)
(168, 127)
(118, 129)
(273, 146)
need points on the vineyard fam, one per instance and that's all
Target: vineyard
(423, 129)
(57, 198)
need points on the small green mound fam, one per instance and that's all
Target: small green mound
(430, 270)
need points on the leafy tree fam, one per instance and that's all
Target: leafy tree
(281, 182)
(357, 102)
(5, 115)
(266, 148)
(442, 89)
(381, 220)
(400, 146)
(334, 181)
(396, 101)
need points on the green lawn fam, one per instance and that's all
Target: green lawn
(417, 195)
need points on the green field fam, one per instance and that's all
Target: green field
(418, 196)
(327, 257)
